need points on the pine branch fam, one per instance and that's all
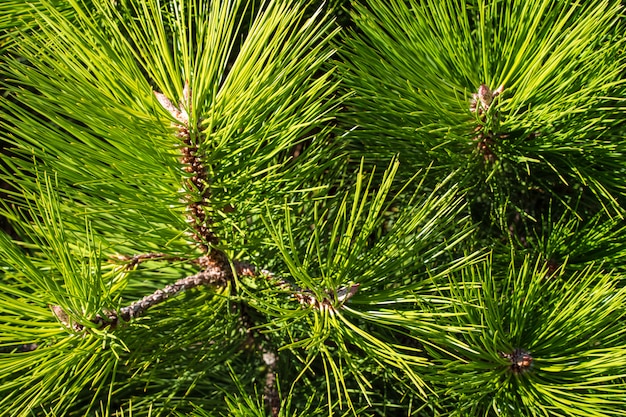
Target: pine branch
(216, 272)
(135, 260)
(249, 96)
(210, 276)
(272, 398)
(165, 131)
(197, 192)
(305, 297)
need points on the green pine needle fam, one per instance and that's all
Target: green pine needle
(568, 324)
(416, 70)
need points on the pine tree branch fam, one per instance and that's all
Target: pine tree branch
(196, 186)
(272, 398)
(202, 234)
(135, 260)
(212, 275)
(271, 395)
(304, 296)
(217, 271)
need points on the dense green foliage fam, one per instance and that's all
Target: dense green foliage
(295, 208)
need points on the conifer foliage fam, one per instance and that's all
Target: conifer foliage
(298, 208)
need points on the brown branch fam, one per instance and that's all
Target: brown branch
(216, 271)
(205, 261)
(196, 183)
(210, 276)
(133, 261)
(213, 276)
(270, 393)
(304, 296)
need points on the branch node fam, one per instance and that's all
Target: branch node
(520, 359)
(482, 100)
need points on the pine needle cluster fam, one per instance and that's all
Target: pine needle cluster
(298, 208)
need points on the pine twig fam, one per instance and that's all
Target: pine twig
(304, 296)
(271, 396)
(213, 275)
(216, 271)
(135, 260)
(196, 185)
(207, 277)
